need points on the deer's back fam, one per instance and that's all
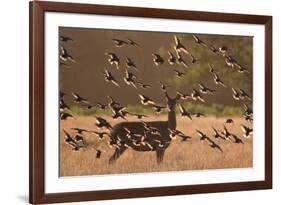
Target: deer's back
(138, 128)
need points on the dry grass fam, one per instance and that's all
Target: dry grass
(192, 155)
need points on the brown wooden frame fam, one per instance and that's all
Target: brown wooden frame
(36, 100)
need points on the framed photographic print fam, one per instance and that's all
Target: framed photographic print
(139, 102)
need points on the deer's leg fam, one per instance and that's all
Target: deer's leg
(117, 154)
(160, 156)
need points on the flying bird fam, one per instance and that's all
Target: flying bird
(247, 110)
(80, 141)
(70, 141)
(215, 146)
(212, 70)
(183, 96)
(130, 78)
(243, 94)
(79, 130)
(113, 59)
(113, 103)
(64, 56)
(194, 59)
(164, 86)
(158, 108)
(157, 59)
(172, 59)
(100, 135)
(235, 95)
(142, 85)
(202, 135)
(101, 106)
(132, 43)
(198, 114)
(218, 81)
(212, 143)
(67, 137)
(151, 129)
(248, 118)
(223, 49)
(174, 133)
(119, 114)
(116, 108)
(179, 46)
(181, 61)
(226, 133)
(242, 69)
(179, 74)
(136, 138)
(213, 49)
(231, 62)
(247, 132)
(139, 116)
(205, 90)
(184, 112)
(146, 100)
(130, 63)
(109, 78)
(196, 95)
(65, 38)
(102, 123)
(65, 115)
(79, 99)
(217, 134)
(63, 105)
(119, 42)
(229, 121)
(199, 41)
(236, 139)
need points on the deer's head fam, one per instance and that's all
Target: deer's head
(172, 102)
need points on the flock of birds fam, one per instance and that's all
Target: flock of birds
(175, 57)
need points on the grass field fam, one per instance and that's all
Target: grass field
(189, 155)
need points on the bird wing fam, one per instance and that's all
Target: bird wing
(201, 99)
(75, 95)
(142, 97)
(115, 82)
(222, 83)
(201, 86)
(176, 40)
(132, 42)
(107, 73)
(73, 145)
(209, 139)
(118, 41)
(234, 91)
(63, 51)
(183, 63)
(182, 109)
(195, 38)
(244, 128)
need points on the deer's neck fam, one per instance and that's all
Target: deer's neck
(172, 123)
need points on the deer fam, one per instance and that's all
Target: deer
(153, 142)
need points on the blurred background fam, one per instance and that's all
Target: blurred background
(86, 75)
